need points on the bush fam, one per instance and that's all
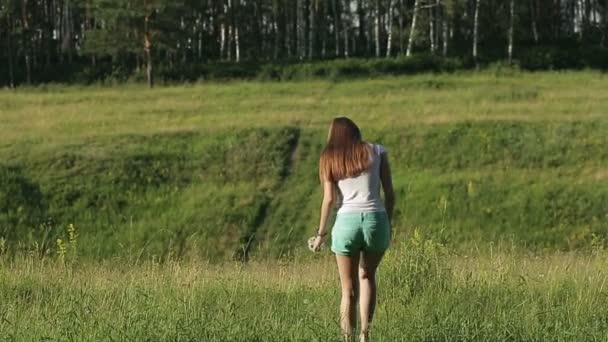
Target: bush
(415, 266)
(595, 57)
(21, 203)
(560, 58)
(358, 67)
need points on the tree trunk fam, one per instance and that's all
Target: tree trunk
(230, 42)
(237, 44)
(361, 35)
(70, 32)
(229, 14)
(26, 42)
(377, 28)
(580, 17)
(257, 18)
(312, 28)
(444, 24)
(401, 35)
(586, 11)
(389, 39)
(604, 42)
(199, 38)
(511, 29)
(346, 28)
(336, 10)
(288, 30)
(9, 51)
(413, 29)
(533, 12)
(148, 51)
(369, 49)
(46, 34)
(432, 28)
(89, 25)
(276, 14)
(222, 32)
(557, 20)
(300, 29)
(235, 23)
(323, 27)
(476, 31)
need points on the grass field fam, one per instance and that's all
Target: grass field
(154, 193)
(426, 294)
(225, 169)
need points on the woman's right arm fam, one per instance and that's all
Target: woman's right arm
(387, 185)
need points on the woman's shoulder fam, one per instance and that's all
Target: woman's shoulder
(377, 148)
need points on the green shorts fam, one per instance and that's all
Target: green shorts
(360, 231)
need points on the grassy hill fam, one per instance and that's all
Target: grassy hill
(227, 170)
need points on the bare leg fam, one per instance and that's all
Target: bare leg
(347, 267)
(367, 283)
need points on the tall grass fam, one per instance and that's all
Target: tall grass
(426, 292)
(122, 210)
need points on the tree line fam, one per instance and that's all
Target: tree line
(138, 36)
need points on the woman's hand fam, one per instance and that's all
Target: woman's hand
(316, 245)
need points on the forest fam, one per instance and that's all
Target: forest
(87, 41)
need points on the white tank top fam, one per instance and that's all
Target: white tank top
(362, 193)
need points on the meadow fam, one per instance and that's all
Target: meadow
(427, 293)
(126, 213)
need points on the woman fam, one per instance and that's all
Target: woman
(351, 172)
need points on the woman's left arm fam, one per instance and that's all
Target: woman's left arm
(329, 196)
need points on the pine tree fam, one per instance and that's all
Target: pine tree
(133, 28)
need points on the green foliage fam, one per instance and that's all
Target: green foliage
(22, 203)
(189, 194)
(106, 72)
(229, 170)
(416, 266)
(124, 27)
(559, 58)
(357, 67)
(225, 188)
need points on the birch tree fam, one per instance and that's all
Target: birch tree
(475, 30)
(604, 41)
(377, 27)
(26, 39)
(413, 28)
(346, 24)
(511, 29)
(444, 30)
(300, 28)
(149, 35)
(533, 15)
(313, 27)
(389, 28)
(7, 8)
(401, 23)
(223, 31)
(431, 8)
(235, 23)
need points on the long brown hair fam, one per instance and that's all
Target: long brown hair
(345, 154)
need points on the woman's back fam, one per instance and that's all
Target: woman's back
(362, 193)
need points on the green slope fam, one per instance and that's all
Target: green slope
(233, 186)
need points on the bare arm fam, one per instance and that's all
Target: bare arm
(387, 185)
(329, 196)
